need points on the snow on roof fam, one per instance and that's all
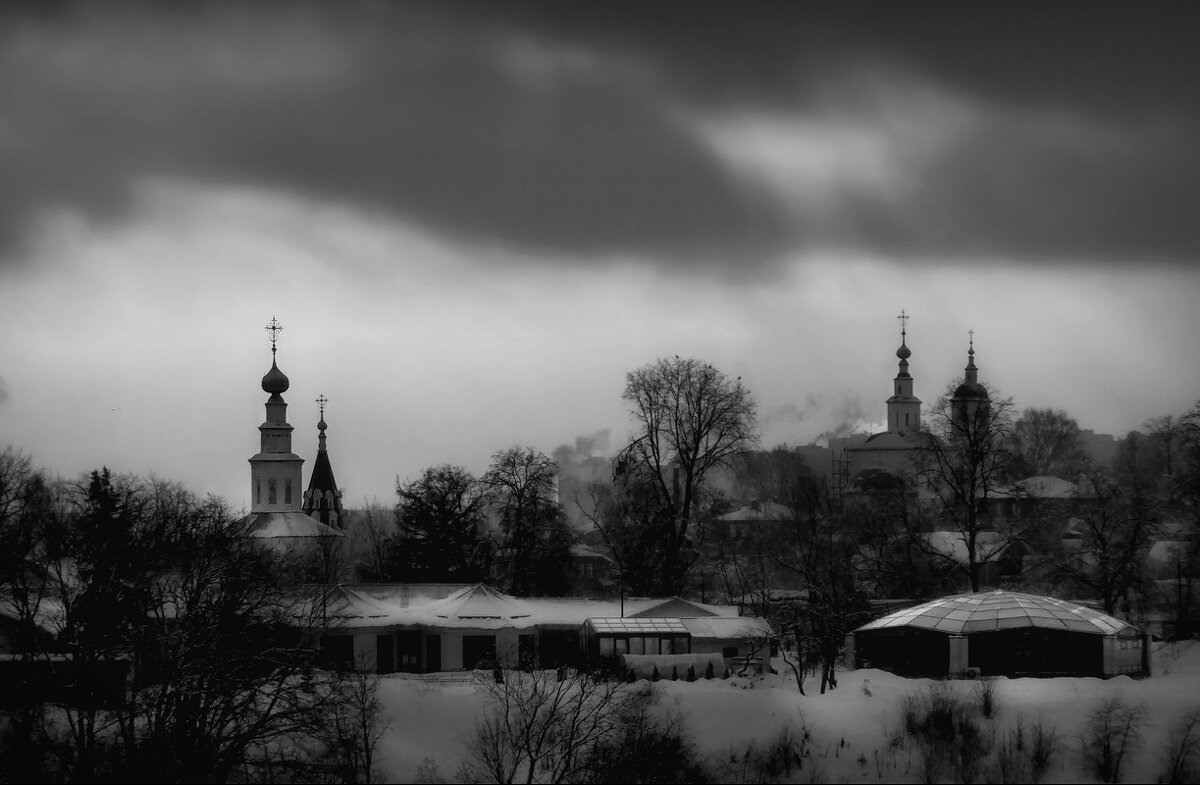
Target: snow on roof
(1043, 487)
(276, 525)
(641, 626)
(479, 606)
(728, 628)
(1000, 610)
(1167, 551)
(675, 606)
(953, 544)
(760, 511)
(479, 602)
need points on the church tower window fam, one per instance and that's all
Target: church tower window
(271, 491)
(287, 491)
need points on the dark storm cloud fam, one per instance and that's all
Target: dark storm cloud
(436, 118)
(557, 127)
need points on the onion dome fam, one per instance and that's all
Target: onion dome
(275, 382)
(903, 352)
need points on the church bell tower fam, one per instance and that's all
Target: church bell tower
(903, 408)
(275, 470)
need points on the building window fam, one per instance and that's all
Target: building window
(287, 491)
(258, 491)
(271, 491)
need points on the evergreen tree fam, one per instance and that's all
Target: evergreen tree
(441, 528)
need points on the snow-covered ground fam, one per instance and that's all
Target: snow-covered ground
(849, 728)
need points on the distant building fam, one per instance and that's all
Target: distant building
(890, 451)
(423, 628)
(1000, 633)
(276, 511)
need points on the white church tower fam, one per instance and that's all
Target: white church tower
(275, 470)
(903, 408)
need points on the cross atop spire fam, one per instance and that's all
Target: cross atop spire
(903, 317)
(321, 401)
(274, 328)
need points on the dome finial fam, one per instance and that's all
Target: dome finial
(275, 382)
(274, 328)
(903, 352)
(321, 426)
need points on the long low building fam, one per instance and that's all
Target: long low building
(425, 628)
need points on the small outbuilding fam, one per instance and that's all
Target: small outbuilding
(1000, 633)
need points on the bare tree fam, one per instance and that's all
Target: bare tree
(690, 419)
(1046, 442)
(964, 459)
(1115, 535)
(1167, 434)
(536, 543)
(541, 726)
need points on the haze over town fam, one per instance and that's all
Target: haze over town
(473, 222)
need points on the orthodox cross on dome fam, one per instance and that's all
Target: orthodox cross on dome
(274, 328)
(903, 317)
(321, 401)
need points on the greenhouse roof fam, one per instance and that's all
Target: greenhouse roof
(1000, 610)
(638, 626)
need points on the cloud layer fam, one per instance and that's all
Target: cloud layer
(708, 137)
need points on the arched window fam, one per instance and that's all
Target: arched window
(287, 491)
(271, 491)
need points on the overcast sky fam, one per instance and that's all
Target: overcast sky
(473, 219)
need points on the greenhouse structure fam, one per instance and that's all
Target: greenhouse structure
(1000, 633)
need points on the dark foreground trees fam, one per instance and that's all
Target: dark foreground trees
(163, 648)
(571, 727)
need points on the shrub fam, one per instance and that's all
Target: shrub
(1112, 731)
(772, 763)
(1044, 744)
(674, 673)
(691, 672)
(644, 746)
(654, 676)
(1009, 762)
(942, 725)
(708, 672)
(985, 693)
(1181, 754)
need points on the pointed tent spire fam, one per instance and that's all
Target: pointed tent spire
(972, 371)
(323, 500)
